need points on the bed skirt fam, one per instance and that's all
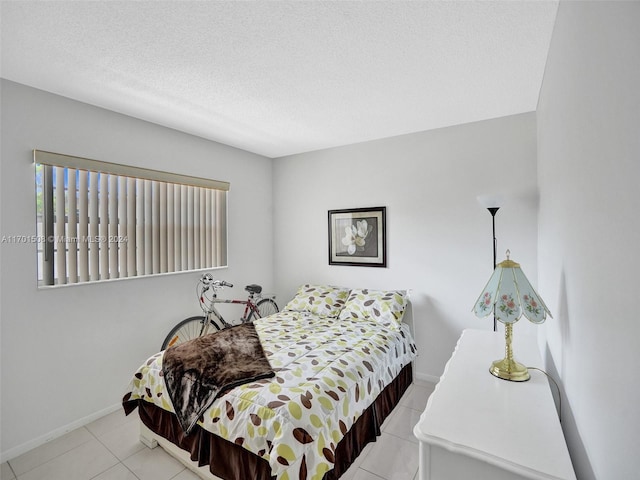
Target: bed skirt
(233, 462)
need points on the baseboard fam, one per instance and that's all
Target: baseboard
(57, 433)
(426, 377)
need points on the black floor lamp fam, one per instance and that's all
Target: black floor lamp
(493, 204)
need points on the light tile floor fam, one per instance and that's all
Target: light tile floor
(109, 449)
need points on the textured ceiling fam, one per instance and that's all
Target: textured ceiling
(284, 77)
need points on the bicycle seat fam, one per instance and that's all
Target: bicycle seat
(253, 288)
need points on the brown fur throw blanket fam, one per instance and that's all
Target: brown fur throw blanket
(198, 371)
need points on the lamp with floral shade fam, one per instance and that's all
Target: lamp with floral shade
(509, 295)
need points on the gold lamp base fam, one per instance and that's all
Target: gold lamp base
(508, 368)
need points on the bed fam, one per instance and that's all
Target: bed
(341, 359)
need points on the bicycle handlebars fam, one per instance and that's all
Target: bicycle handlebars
(207, 279)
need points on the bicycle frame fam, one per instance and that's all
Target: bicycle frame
(250, 306)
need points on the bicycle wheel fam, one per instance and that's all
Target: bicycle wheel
(266, 307)
(188, 329)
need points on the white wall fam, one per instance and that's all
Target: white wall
(589, 230)
(439, 237)
(68, 353)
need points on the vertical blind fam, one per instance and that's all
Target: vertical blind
(99, 220)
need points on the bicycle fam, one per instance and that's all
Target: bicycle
(256, 306)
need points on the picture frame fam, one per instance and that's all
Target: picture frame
(357, 237)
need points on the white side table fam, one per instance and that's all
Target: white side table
(477, 426)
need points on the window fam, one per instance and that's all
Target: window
(99, 221)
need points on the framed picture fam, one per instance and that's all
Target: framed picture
(357, 237)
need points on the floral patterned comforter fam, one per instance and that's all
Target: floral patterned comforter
(328, 372)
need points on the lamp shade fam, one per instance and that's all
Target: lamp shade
(509, 295)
